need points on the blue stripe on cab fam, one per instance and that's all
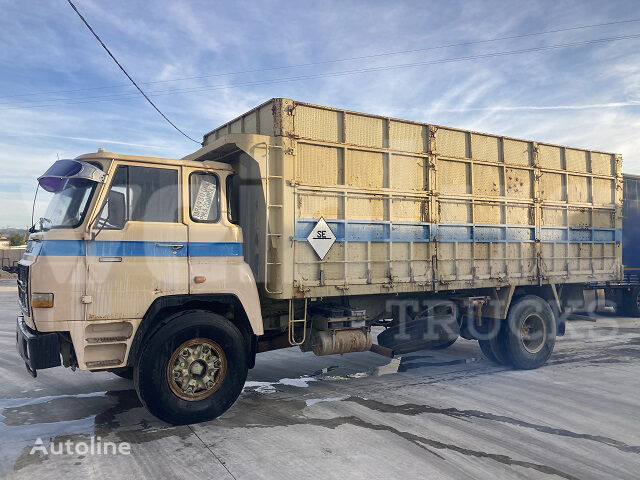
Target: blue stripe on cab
(133, 249)
(78, 248)
(205, 249)
(62, 248)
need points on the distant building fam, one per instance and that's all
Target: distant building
(5, 242)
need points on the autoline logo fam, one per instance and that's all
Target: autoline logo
(95, 446)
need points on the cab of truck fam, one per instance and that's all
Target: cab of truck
(125, 243)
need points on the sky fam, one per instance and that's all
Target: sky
(204, 63)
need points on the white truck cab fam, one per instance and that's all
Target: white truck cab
(126, 237)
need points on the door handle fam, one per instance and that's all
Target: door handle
(110, 259)
(172, 246)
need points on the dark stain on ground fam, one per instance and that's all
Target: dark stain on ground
(106, 425)
(123, 401)
(628, 351)
(264, 415)
(416, 409)
(67, 408)
(25, 459)
(619, 329)
(408, 358)
(620, 352)
(403, 367)
(594, 360)
(424, 443)
(132, 436)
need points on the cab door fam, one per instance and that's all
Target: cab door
(215, 241)
(140, 246)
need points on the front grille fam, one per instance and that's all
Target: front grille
(23, 288)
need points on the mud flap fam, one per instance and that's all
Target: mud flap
(421, 333)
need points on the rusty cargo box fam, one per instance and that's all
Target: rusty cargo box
(414, 206)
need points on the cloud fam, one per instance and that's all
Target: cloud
(585, 96)
(94, 141)
(503, 108)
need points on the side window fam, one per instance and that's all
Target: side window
(233, 197)
(204, 198)
(149, 195)
(108, 213)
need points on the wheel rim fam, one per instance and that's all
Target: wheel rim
(196, 369)
(533, 333)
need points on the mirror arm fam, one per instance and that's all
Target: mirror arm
(106, 220)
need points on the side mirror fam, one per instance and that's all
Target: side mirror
(117, 209)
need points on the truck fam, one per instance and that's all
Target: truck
(303, 225)
(624, 296)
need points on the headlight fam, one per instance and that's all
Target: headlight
(42, 300)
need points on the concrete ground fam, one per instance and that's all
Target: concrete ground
(448, 414)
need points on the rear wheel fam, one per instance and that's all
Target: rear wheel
(530, 333)
(192, 369)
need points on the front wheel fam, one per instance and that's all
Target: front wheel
(530, 333)
(192, 369)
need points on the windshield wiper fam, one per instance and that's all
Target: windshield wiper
(41, 222)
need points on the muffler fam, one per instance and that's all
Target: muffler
(330, 342)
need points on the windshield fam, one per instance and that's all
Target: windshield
(71, 183)
(67, 206)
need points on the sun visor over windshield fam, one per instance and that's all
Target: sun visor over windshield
(55, 178)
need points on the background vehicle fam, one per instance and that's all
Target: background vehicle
(296, 224)
(624, 296)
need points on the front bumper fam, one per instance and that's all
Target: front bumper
(38, 350)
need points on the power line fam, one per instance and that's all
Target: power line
(334, 74)
(348, 59)
(125, 72)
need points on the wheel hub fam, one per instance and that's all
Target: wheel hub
(196, 369)
(533, 333)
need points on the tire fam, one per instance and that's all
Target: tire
(485, 346)
(199, 348)
(493, 348)
(124, 372)
(530, 350)
(632, 302)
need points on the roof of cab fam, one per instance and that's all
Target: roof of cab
(103, 155)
